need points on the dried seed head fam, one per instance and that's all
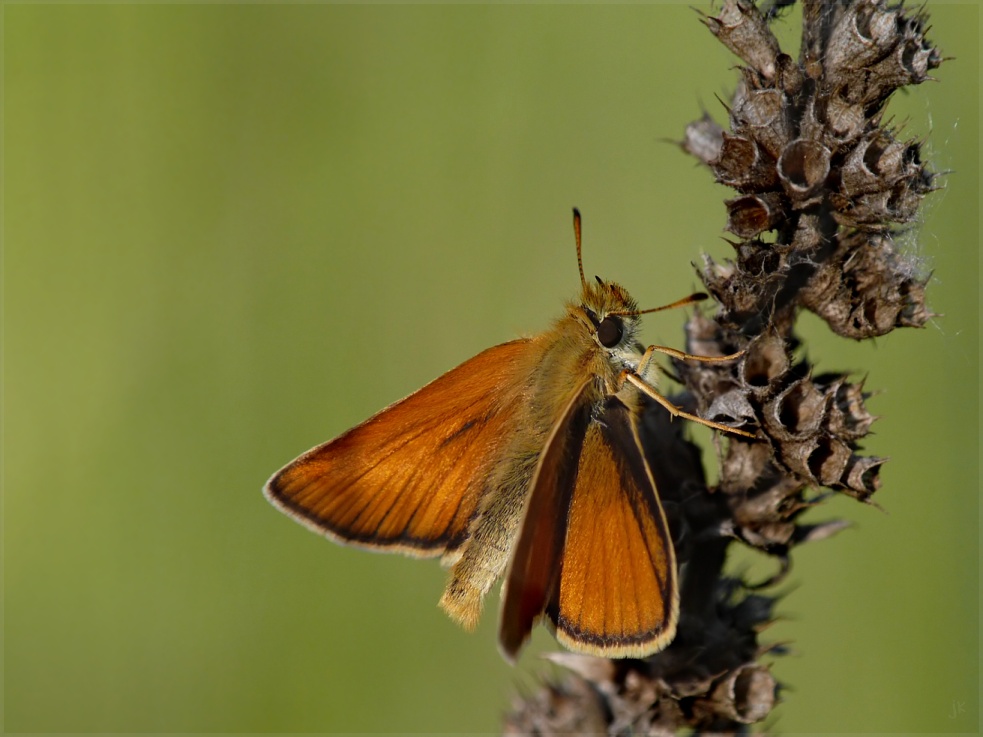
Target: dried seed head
(744, 165)
(746, 695)
(558, 708)
(751, 215)
(816, 170)
(763, 115)
(865, 288)
(803, 168)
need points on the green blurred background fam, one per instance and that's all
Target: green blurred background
(231, 232)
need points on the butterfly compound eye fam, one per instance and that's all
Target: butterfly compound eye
(610, 331)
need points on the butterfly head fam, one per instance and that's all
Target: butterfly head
(610, 314)
(607, 310)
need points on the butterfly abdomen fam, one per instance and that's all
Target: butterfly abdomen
(493, 531)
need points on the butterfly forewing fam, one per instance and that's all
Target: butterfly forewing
(594, 552)
(617, 594)
(408, 479)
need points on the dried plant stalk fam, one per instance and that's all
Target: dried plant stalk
(823, 188)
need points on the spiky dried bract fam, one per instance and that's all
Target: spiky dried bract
(743, 30)
(823, 188)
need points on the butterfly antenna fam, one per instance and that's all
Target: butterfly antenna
(697, 297)
(576, 234)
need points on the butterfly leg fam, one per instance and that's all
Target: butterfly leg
(653, 349)
(675, 411)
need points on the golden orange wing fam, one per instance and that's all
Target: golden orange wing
(614, 590)
(618, 594)
(409, 478)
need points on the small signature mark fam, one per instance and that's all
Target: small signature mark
(958, 709)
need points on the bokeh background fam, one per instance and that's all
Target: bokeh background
(231, 232)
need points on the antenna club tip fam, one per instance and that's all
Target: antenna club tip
(576, 212)
(700, 296)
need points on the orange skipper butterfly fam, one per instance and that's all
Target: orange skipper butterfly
(525, 460)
